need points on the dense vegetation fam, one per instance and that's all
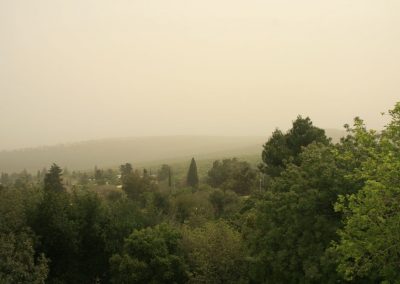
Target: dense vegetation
(313, 211)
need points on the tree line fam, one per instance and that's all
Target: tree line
(313, 211)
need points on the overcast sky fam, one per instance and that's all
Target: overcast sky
(78, 69)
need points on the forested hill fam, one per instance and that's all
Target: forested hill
(113, 152)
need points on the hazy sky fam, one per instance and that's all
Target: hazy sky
(73, 70)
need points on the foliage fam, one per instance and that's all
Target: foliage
(122, 217)
(89, 213)
(295, 222)
(151, 255)
(70, 232)
(369, 245)
(58, 234)
(125, 170)
(215, 253)
(135, 185)
(191, 208)
(327, 214)
(231, 174)
(282, 149)
(225, 203)
(53, 180)
(192, 177)
(18, 263)
(157, 207)
(132, 185)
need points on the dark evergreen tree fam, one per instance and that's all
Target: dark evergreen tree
(126, 170)
(90, 217)
(59, 237)
(53, 180)
(303, 133)
(282, 149)
(295, 222)
(192, 177)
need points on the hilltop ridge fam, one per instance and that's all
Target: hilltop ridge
(115, 151)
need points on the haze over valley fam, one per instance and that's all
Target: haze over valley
(199, 141)
(86, 70)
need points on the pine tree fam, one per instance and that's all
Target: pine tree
(192, 177)
(53, 180)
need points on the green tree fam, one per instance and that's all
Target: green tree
(133, 184)
(232, 174)
(216, 254)
(303, 133)
(122, 217)
(282, 149)
(157, 206)
(90, 216)
(225, 202)
(369, 246)
(275, 155)
(294, 222)
(151, 255)
(58, 233)
(192, 176)
(53, 180)
(191, 207)
(125, 170)
(18, 263)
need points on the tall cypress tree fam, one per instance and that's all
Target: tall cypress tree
(192, 177)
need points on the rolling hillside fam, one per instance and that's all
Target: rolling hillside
(139, 150)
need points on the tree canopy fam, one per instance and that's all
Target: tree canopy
(192, 176)
(282, 149)
(232, 174)
(369, 244)
(53, 180)
(151, 255)
(327, 213)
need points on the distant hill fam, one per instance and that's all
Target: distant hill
(113, 152)
(137, 150)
